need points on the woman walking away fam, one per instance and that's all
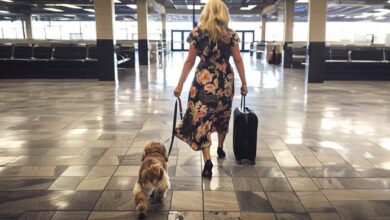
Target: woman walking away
(212, 90)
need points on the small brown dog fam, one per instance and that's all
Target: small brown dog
(153, 176)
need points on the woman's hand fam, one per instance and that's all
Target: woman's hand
(178, 90)
(244, 90)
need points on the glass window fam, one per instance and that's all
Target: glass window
(11, 29)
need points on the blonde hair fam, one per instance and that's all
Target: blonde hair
(215, 19)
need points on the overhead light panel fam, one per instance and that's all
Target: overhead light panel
(53, 9)
(250, 7)
(70, 6)
(302, 1)
(132, 6)
(4, 12)
(117, 1)
(91, 15)
(7, 0)
(380, 18)
(89, 10)
(204, 1)
(197, 7)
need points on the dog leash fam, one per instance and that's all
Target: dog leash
(177, 105)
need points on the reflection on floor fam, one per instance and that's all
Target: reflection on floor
(71, 149)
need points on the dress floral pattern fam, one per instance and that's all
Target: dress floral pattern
(212, 90)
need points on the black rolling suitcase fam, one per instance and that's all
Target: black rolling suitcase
(245, 124)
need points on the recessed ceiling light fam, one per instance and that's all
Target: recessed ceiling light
(204, 1)
(53, 9)
(70, 15)
(7, 0)
(89, 10)
(250, 7)
(197, 7)
(4, 12)
(117, 1)
(70, 6)
(91, 15)
(302, 1)
(132, 6)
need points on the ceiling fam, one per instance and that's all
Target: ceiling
(177, 10)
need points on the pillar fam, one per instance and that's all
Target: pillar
(28, 22)
(263, 27)
(315, 55)
(164, 27)
(105, 40)
(289, 9)
(142, 18)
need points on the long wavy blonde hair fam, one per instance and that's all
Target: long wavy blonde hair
(215, 19)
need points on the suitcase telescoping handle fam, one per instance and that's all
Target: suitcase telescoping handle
(177, 105)
(243, 107)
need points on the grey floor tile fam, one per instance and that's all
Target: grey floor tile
(315, 202)
(302, 184)
(247, 184)
(66, 183)
(74, 215)
(280, 184)
(122, 183)
(253, 202)
(218, 184)
(115, 201)
(187, 201)
(324, 216)
(182, 183)
(285, 202)
(220, 201)
(34, 215)
(25, 183)
(293, 216)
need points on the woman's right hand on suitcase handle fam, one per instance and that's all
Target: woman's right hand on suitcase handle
(178, 90)
(244, 90)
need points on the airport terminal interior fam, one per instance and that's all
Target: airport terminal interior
(84, 84)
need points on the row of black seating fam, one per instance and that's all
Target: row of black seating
(358, 63)
(350, 62)
(55, 61)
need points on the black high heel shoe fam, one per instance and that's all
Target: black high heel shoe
(221, 153)
(207, 170)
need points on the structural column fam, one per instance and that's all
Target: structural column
(105, 39)
(289, 9)
(28, 22)
(164, 27)
(315, 56)
(263, 27)
(142, 18)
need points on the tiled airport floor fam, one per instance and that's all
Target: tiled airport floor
(72, 149)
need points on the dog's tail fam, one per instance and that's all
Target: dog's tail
(155, 168)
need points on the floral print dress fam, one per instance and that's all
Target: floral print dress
(211, 94)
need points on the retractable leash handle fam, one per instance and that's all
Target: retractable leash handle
(178, 102)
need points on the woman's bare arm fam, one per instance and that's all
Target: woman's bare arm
(188, 64)
(240, 67)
